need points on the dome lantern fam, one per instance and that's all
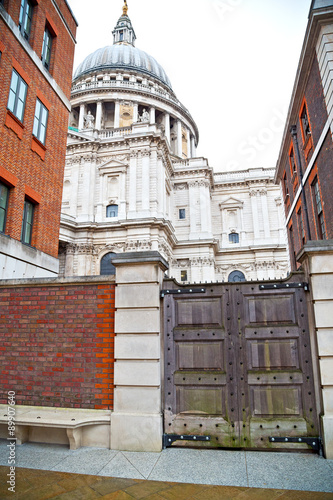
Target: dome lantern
(124, 32)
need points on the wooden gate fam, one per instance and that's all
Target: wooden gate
(238, 363)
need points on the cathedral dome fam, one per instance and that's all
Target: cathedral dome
(122, 56)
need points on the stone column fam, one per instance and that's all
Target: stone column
(117, 114)
(193, 149)
(137, 422)
(98, 122)
(135, 112)
(189, 153)
(316, 258)
(167, 127)
(81, 116)
(152, 118)
(179, 139)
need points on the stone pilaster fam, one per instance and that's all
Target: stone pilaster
(317, 260)
(254, 206)
(145, 181)
(132, 183)
(136, 423)
(265, 213)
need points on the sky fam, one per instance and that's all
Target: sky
(232, 64)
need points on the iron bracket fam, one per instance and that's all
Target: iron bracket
(168, 439)
(178, 291)
(314, 442)
(270, 286)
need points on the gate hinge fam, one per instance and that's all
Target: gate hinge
(314, 442)
(270, 286)
(168, 439)
(179, 291)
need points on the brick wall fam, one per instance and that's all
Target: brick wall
(57, 343)
(317, 114)
(26, 165)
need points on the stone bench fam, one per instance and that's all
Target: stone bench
(39, 424)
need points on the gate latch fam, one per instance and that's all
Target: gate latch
(314, 442)
(168, 439)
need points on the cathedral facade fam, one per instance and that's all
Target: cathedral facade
(133, 181)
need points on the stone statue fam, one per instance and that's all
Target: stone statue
(89, 120)
(145, 116)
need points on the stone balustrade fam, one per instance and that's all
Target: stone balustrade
(115, 132)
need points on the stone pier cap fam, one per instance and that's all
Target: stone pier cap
(150, 257)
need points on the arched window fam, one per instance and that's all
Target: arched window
(107, 268)
(236, 276)
(233, 238)
(112, 211)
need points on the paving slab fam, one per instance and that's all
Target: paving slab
(120, 466)
(218, 467)
(86, 461)
(293, 471)
(144, 462)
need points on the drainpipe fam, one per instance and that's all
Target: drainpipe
(293, 131)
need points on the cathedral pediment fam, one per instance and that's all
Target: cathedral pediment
(231, 202)
(113, 166)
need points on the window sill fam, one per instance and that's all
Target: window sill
(38, 147)
(28, 245)
(14, 124)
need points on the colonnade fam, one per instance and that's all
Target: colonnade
(169, 122)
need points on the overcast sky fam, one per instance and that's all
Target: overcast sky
(232, 63)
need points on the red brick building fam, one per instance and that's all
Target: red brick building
(37, 41)
(305, 162)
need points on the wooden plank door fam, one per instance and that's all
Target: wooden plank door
(279, 381)
(238, 365)
(199, 398)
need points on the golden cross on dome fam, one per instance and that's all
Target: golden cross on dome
(125, 8)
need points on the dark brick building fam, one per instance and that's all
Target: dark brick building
(305, 162)
(37, 43)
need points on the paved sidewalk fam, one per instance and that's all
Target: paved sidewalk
(242, 474)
